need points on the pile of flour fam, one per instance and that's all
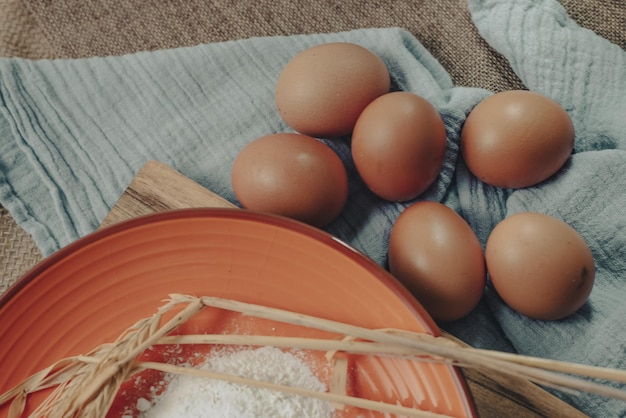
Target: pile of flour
(191, 397)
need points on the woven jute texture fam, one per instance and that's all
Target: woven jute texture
(20, 34)
(18, 252)
(607, 18)
(82, 28)
(79, 28)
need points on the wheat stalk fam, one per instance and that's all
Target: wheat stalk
(85, 386)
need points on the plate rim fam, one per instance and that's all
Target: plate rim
(322, 236)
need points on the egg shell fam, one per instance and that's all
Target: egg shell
(291, 175)
(322, 91)
(539, 265)
(398, 146)
(438, 258)
(516, 139)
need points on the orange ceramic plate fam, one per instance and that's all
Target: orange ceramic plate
(92, 290)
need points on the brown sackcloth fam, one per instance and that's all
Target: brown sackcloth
(20, 34)
(79, 28)
(82, 28)
(18, 252)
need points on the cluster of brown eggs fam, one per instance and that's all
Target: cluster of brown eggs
(539, 265)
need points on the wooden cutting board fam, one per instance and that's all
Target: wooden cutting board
(158, 188)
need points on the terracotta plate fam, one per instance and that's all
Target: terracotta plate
(89, 292)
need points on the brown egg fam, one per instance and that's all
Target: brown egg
(438, 258)
(291, 175)
(398, 146)
(516, 139)
(322, 91)
(539, 265)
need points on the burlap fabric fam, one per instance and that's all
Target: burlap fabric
(81, 28)
(20, 34)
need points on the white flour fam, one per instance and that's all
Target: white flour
(191, 397)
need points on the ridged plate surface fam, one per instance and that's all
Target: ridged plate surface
(89, 292)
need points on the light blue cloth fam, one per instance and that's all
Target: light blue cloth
(73, 133)
(586, 74)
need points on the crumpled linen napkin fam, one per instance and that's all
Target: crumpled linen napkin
(73, 133)
(586, 74)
